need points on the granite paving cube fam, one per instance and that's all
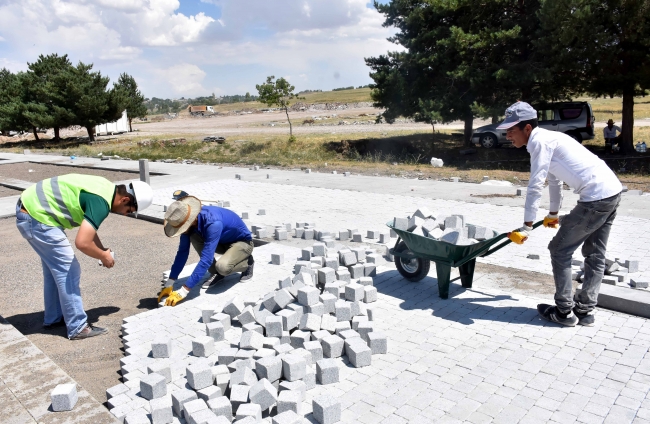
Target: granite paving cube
(271, 342)
(294, 367)
(153, 386)
(632, 266)
(199, 375)
(637, 284)
(401, 224)
(316, 308)
(369, 269)
(332, 288)
(161, 348)
(299, 337)
(278, 258)
(332, 262)
(161, 367)
(243, 376)
(261, 212)
(289, 400)
(332, 346)
(222, 318)
(358, 320)
(222, 381)
(348, 334)
(354, 292)
(343, 274)
(328, 322)
(326, 275)
(247, 316)
(206, 314)
(244, 215)
(283, 284)
(356, 271)
(269, 368)
(308, 295)
(348, 258)
(282, 298)
(358, 352)
(137, 416)
(280, 235)
(261, 314)
(319, 249)
(317, 262)
(180, 398)
(357, 238)
(327, 371)
(64, 397)
(227, 355)
(283, 348)
(161, 410)
(204, 416)
(310, 322)
(117, 390)
(253, 327)
(481, 233)
(216, 331)
(234, 307)
(365, 281)
(192, 407)
(609, 280)
(249, 410)
(423, 212)
(299, 233)
(306, 253)
(343, 311)
(210, 392)
(453, 222)
(203, 346)
(274, 326)
(263, 394)
(264, 352)
(326, 409)
(310, 378)
(316, 350)
(221, 407)
(290, 319)
(294, 386)
(308, 234)
(369, 294)
(239, 395)
(329, 302)
(344, 235)
(360, 252)
(364, 329)
(453, 236)
(251, 340)
(318, 335)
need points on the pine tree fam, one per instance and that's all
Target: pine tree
(133, 98)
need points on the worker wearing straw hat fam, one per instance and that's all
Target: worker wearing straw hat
(609, 133)
(210, 230)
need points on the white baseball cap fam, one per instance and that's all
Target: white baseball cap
(518, 112)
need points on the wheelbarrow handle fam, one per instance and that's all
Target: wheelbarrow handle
(508, 241)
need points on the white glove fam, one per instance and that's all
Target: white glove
(100, 261)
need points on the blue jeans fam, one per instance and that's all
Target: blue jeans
(589, 224)
(61, 272)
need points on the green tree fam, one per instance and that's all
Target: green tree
(458, 58)
(247, 97)
(48, 79)
(93, 103)
(601, 47)
(17, 104)
(277, 93)
(133, 98)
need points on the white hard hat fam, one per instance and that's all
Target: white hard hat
(142, 193)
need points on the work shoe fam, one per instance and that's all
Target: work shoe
(551, 313)
(587, 319)
(212, 280)
(248, 274)
(89, 331)
(59, 323)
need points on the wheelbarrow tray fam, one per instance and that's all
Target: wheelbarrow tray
(447, 255)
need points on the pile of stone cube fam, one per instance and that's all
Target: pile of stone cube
(292, 339)
(618, 272)
(451, 229)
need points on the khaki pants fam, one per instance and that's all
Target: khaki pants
(234, 257)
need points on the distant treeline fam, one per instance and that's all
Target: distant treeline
(157, 105)
(351, 87)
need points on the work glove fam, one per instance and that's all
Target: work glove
(165, 292)
(175, 297)
(520, 235)
(552, 220)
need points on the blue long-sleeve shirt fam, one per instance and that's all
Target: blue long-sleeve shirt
(217, 226)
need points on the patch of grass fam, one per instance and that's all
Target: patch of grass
(612, 108)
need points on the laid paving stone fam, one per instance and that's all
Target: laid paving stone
(64, 397)
(138, 416)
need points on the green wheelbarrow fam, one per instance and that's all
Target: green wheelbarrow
(414, 253)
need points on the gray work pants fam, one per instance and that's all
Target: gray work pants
(234, 257)
(589, 224)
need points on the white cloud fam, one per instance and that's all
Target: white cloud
(184, 79)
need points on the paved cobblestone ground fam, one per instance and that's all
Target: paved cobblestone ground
(333, 210)
(482, 356)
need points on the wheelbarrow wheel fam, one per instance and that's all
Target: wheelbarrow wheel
(412, 269)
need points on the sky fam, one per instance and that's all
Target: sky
(192, 48)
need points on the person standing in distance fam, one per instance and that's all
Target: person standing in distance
(559, 158)
(210, 230)
(48, 207)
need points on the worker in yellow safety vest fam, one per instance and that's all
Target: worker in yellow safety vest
(48, 207)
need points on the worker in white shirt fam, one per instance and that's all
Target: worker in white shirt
(609, 133)
(557, 157)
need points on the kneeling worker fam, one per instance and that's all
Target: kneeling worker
(559, 158)
(45, 209)
(210, 230)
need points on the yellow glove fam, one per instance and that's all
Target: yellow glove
(552, 221)
(177, 296)
(165, 293)
(520, 235)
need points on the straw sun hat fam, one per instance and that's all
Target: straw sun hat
(180, 215)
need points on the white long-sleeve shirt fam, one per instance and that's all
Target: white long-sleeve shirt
(559, 158)
(610, 133)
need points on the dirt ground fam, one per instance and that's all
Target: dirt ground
(35, 172)
(142, 254)
(6, 192)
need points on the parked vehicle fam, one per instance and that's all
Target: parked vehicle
(575, 119)
(200, 110)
